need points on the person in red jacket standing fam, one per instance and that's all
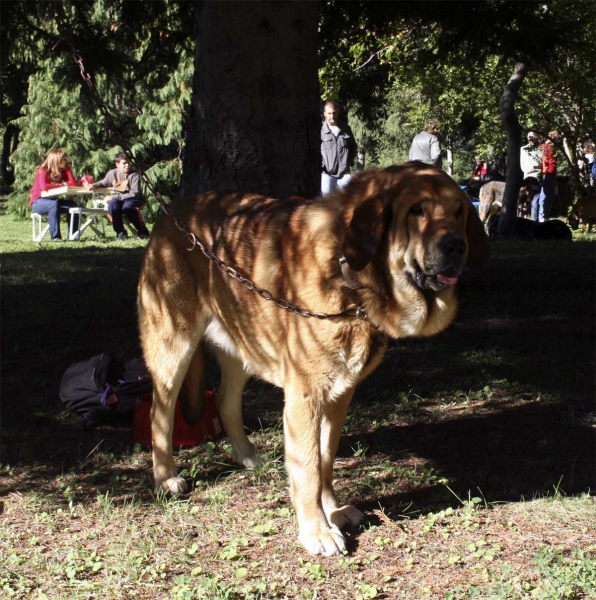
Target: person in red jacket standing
(54, 172)
(480, 169)
(542, 204)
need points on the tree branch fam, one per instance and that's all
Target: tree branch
(371, 57)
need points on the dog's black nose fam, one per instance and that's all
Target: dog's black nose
(452, 245)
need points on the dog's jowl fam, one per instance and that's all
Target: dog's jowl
(381, 256)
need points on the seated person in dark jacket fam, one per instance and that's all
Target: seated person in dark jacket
(128, 198)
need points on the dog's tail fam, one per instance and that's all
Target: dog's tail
(192, 393)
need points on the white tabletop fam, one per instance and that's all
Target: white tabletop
(70, 190)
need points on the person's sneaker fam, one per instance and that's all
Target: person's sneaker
(122, 236)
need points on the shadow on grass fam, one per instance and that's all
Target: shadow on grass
(525, 327)
(58, 307)
(525, 451)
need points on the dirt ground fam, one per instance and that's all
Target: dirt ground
(447, 448)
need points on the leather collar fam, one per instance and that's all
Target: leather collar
(350, 276)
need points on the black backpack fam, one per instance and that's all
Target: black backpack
(102, 389)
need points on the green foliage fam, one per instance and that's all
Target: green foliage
(165, 176)
(53, 119)
(558, 575)
(144, 81)
(161, 121)
(397, 64)
(386, 137)
(561, 96)
(570, 574)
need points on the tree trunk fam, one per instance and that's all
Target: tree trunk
(9, 145)
(510, 121)
(572, 156)
(254, 123)
(449, 158)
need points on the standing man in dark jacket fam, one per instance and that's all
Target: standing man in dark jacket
(128, 198)
(338, 150)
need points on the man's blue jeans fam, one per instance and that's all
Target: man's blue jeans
(543, 203)
(329, 183)
(53, 207)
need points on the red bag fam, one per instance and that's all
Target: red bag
(210, 427)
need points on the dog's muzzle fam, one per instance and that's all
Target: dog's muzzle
(443, 270)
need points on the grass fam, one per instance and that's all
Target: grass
(471, 453)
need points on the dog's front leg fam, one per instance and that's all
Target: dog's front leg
(302, 431)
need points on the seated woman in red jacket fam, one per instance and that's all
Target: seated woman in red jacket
(54, 172)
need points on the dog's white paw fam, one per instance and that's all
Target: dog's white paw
(328, 542)
(346, 516)
(174, 486)
(249, 460)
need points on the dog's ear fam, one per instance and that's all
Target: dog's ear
(478, 245)
(365, 232)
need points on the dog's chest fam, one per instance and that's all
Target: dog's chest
(353, 359)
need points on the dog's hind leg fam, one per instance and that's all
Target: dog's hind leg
(192, 393)
(171, 327)
(333, 418)
(229, 402)
(169, 373)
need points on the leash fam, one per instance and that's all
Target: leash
(358, 312)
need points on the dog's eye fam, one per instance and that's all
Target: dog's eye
(460, 212)
(416, 210)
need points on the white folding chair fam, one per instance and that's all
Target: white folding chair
(39, 231)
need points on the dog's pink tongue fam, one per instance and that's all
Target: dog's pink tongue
(446, 280)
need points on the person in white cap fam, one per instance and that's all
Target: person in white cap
(530, 159)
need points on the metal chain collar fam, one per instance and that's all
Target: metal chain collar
(193, 242)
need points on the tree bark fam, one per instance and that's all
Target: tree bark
(572, 156)
(449, 158)
(9, 145)
(254, 123)
(512, 127)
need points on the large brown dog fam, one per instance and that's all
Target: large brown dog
(406, 233)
